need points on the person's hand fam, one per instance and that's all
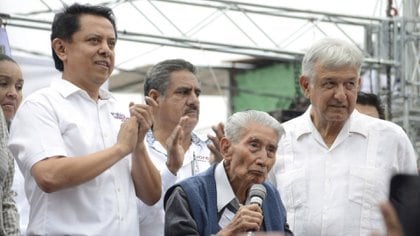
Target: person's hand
(127, 136)
(174, 146)
(393, 226)
(143, 113)
(214, 146)
(247, 218)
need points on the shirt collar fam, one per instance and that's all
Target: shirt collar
(224, 191)
(151, 141)
(355, 124)
(66, 88)
(359, 123)
(306, 126)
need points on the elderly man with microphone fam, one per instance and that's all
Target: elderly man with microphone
(231, 197)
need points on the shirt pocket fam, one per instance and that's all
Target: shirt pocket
(368, 186)
(293, 190)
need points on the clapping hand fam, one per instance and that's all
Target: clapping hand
(214, 146)
(143, 114)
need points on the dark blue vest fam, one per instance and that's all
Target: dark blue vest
(201, 197)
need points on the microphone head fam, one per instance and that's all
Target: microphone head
(256, 194)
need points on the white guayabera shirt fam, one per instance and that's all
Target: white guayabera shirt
(336, 190)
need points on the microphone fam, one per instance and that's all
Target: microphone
(256, 195)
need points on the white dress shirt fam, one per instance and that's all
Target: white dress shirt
(196, 160)
(62, 120)
(225, 195)
(336, 190)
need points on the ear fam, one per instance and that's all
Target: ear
(154, 94)
(225, 148)
(304, 85)
(59, 48)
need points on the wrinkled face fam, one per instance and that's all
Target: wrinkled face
(89, 57)
(368, 110)
(180, 99)
(253, 156)
(333, 93)
(11, 83)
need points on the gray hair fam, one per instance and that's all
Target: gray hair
(238, 122)
(158, 76)
(331, 53)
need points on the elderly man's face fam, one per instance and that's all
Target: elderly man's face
(250, 159)
(333, 93)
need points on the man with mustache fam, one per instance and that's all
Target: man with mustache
(174, 86)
